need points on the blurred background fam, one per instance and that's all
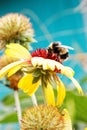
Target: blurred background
(52, 20)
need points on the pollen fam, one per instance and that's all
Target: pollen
(42, 117)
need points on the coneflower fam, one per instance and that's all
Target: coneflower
(15, 28)
(39, 71)
(45, 117)
(5, 60)
(13, 80)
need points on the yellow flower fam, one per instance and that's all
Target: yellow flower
(45, 117)
(15, 28)
(12, 81)
(5, 60)
(39, 71)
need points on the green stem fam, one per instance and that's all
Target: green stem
(18, 107)
(42, 85)
(34, 100)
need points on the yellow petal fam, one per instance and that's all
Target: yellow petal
(50, 64)
(61, 92)
(77, 85)
(9, 67)
(40, 61)
(17, 51)
(34, 61)
(59, 65)
(37, 61)
(14, 70)
(45, 65)
(67, 120)
(27, 86)
(67, 71)
(49, 94)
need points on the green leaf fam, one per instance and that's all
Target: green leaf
(35, 79)
(83, 80)
(10, 118)
(77, 106)
(8, 100)
(43, 72)
(25, 102)
(36, 73)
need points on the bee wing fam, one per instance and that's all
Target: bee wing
(67, 47)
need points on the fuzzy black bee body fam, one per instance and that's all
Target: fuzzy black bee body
(61, 51)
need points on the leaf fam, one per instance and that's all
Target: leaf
(77, 106)
(36, 73)
(8, 102)
(10, 118)
(35, 79)
(83, 80)
(43, 72)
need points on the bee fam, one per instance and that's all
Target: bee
(60, 51)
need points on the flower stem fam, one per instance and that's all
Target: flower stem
(34, 100)
(18, 108)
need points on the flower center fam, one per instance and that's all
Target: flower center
(45, 54)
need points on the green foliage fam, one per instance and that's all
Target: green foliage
(9, 115)
(83, 80)
(76, 105)
(10, 118)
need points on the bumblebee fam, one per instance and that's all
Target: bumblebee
(61, 51)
